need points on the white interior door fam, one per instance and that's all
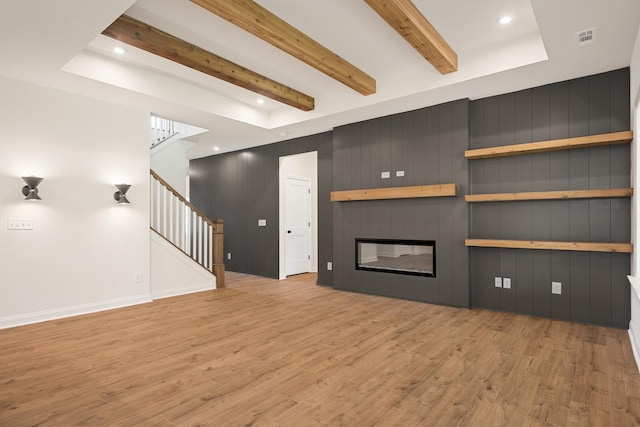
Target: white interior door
(297, 207)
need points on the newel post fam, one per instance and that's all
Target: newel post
(218, 252)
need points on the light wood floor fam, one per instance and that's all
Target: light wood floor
(269, 353)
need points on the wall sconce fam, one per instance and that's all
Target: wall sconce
(120, 195)
(31, 189)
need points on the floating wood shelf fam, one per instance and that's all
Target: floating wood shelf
(556, 246)
(553, 145)
(550, 195)
(438, 190)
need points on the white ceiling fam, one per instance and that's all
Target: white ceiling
(59, 44)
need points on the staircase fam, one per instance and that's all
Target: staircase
(186, 228)
(161, 130)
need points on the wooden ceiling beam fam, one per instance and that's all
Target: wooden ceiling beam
(143, 36)
(404, 17)
(255, 19)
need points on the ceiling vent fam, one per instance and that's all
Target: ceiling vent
(586, 37)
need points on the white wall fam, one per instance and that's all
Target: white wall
(85, 249)
(634, 325)
(174, 273)
(303, 165)
(169, 160)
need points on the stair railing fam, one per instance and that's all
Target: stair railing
(161, 130)
(185, 227)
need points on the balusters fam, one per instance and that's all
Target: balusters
(177, 221)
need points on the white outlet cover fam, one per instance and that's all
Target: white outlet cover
(506, 283)
(262, 223)
(556, 288)
(385, 175)
(329, 266)
(228, 255)
(498, 282)
(399, 173)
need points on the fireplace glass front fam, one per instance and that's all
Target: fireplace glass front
(416, 257)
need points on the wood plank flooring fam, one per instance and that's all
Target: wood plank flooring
(287, 353)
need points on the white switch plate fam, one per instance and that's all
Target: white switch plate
(137, 278)
(498, 282)
(506, 283)
(399, 173)
(228, 255)
(20, 224)
(556, 288)
(385, 175)
(329, 266)
(262, 223)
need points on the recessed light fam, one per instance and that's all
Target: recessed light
(260, 101)
(216, 148)
(505, 20)
(119, 50)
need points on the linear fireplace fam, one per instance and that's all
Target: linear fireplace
(415, 257)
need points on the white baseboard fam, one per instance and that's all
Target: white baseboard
(634, 324)
(167, 293)
(60, 313)
(634, 347)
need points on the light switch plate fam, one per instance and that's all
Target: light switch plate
(506, 282)
(556, 288)
(20, 224)
(399, 173)
(329, 266)
(385, 175)
(498, 281)
(262, 223)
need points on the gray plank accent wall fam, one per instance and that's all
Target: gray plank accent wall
(241, 187)
(594, 285)
(428, 145)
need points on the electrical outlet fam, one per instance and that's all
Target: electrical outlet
(556, 288)
(506, 283)
(498, 282)
(228, 255)
(137, 278)
(399, 173)
(329, 266)
(385, 175)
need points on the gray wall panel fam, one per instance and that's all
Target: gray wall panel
(523, 281)
(600, 289)
(428, 145)
(619, 99)
(586, 106)
(241, 187)
(561, 272)
(580, 286)
(508, 268)
(542, 283)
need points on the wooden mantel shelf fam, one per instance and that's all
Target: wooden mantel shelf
(623, 137)
(438, 190)
(550, 195)
(556, 246)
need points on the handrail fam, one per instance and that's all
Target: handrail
(161, 130)
(175, 219)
